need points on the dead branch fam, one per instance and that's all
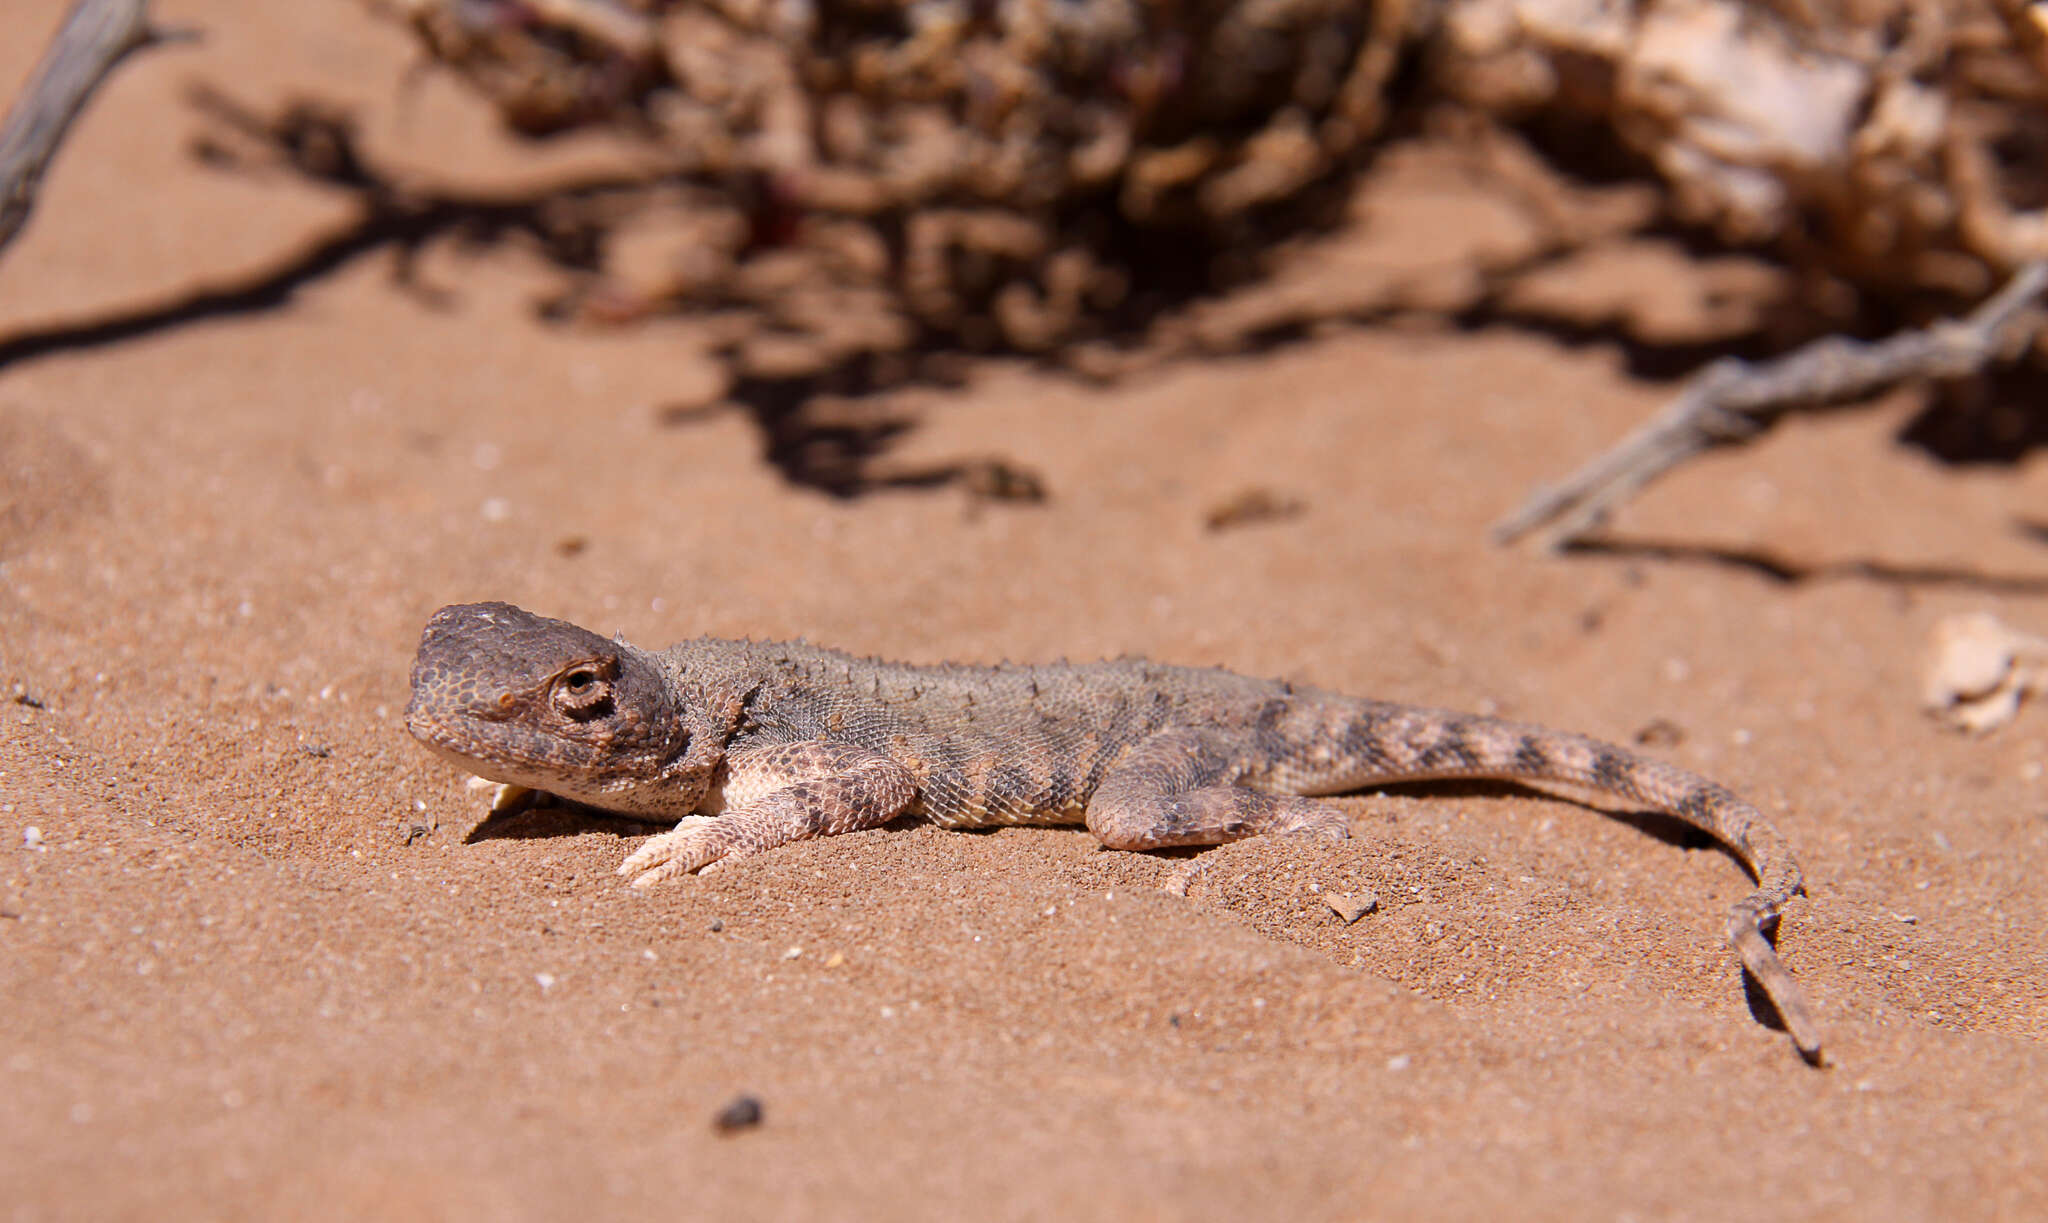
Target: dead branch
(96, 36)
(1732, 401)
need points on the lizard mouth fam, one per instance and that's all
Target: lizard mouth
(451, 746)
(500, 759)
(456, 750)
(432, 733)
(463, 748)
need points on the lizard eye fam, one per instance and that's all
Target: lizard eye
(584, 692)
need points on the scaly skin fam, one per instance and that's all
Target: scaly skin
(784, 741)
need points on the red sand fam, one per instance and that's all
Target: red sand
(255, 970)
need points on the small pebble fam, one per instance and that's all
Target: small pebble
(740, 1113)
(1352, 907)
(716, 925)
(1253, 505)
(1660, 732)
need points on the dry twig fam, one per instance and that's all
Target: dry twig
(96, 36)
(1731, 401)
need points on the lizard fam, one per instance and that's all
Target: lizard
(749, 745)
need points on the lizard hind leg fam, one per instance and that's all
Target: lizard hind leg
(1177, 788)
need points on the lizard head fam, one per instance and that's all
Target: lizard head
(541, 703)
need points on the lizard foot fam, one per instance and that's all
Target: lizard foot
(508, 798)
(694, 844)
(1307, 818)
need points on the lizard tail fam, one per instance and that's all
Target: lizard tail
(1354, 745)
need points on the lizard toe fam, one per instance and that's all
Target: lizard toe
(658, 875)
(690, 846)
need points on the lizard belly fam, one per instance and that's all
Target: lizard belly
(991, 791)
(714, 800)
(951, 797)
(974, 815)
(1030, 776)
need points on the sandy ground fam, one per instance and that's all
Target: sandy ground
(257, 965)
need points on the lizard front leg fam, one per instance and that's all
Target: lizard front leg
(780, 792)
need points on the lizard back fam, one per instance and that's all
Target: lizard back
(1004, 744)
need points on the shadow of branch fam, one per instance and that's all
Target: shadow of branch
(1784, 571)
(318, 143)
